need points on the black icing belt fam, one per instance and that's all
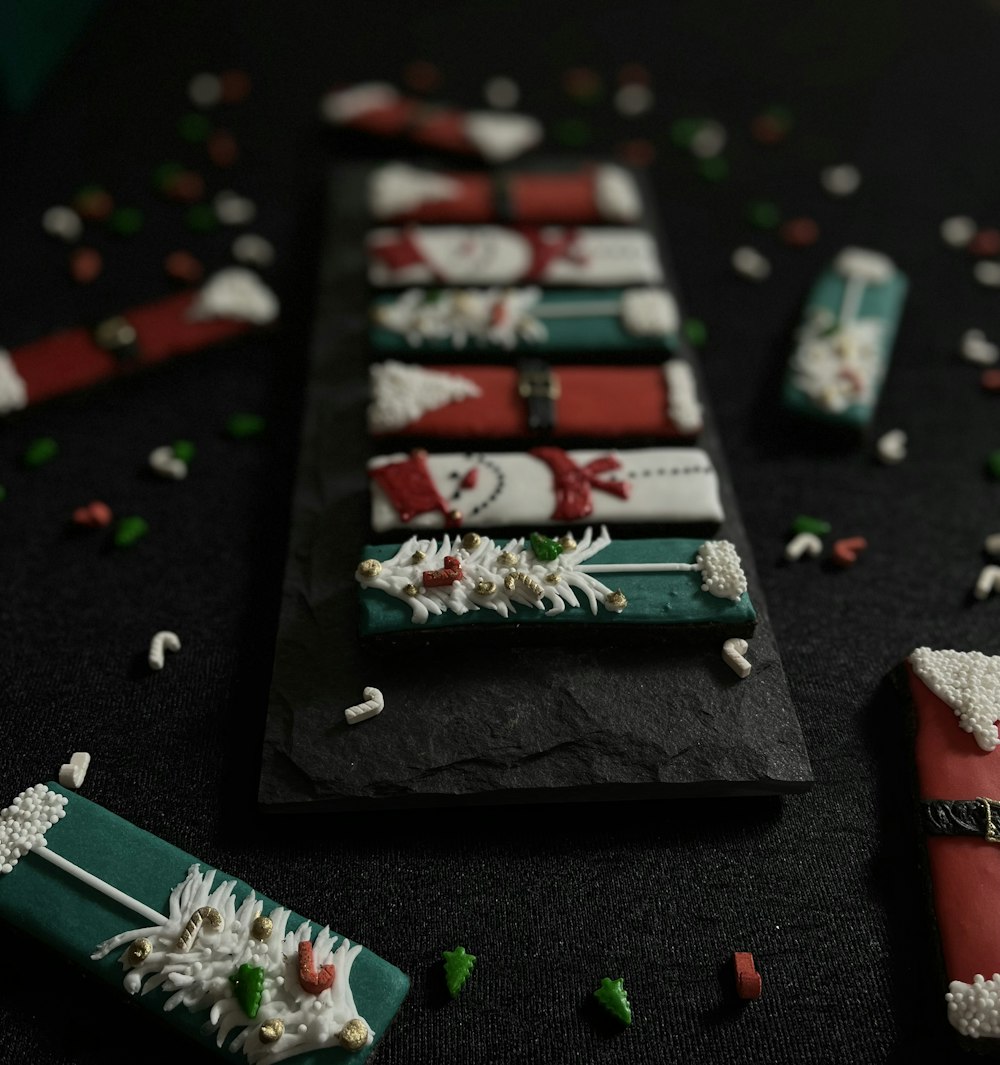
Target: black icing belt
(539, 388)
(962, 817)
(503, 205)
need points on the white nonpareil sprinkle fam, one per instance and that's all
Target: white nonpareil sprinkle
(501, 92)
(233, 209)
(253, 250)
(62, 222)
(975, 348)
(987, 273)
(633, 99)
(749, 263)
(958, 230)
(721, 570)
(204, 90)
(891, 447)
(24, 823)
(841, 180)
(709, 139)
(969, 682)
(974, 1009)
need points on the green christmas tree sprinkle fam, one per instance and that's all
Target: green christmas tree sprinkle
(130, 530)
(248, 984)
(611, 995)
(194, 127)
(125, 221)
(457, 966)
(201, 218)
(546, 549)
(40, 451)
(241, 425)
(804, 523)
(695, 331)
(183, 450)
(993, 464)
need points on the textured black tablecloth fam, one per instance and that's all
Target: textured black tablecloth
(823, 888)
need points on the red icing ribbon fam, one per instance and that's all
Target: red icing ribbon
(548, 246)
(409, 486)
(311, 980)
(572, 484)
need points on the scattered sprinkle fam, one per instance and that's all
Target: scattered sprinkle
(612, 996)
(233, 209)
(987, 582)
(638, 152)
(204, 90)
(891, 447)
(184, 267)
(85, 265)
(222, 148)
(184, 186)
(501, 92)
(130, 530)
(841, 180)
(772, 125)
(125, 221)
(235, 85)
(93, 202)
(683, 130)
(3, 493)
(990, 380)
(695, 332)
(253, 250)
(985, 243)
(200, 218)
(958, 230)
(62, 222)
(633, 99)
(572, 132)
(975, 348)
(991, 545)
(715, 169)
(194, 127)
(242, 425)
(748, 982)
(762, 214)
(583, 84)
(805, 523)
(164, 461)
(987, 273)
(708, 140)
(799, 232)
(39, 452)
(73, 772)
(733, 652)
(422, 75)
(845, 552)
(633, 72)
(803, 543)
(749, 263)
(993, 464)
(184, 450)
(93, 515)
(162, 641)
(458, 965)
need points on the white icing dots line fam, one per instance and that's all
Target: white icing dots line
(969, 682)
(24, 823)
(974, 1009)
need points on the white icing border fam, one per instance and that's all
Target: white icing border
(13, 389)
(683, 407)
(969, 682)
(403, 392)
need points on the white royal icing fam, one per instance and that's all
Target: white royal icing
(683, 408)
(669, 485)
(649, 312)
(235, 292)
(969, 682)
(402, 393)
(346, 105)
(974, 1009)
(494, 255)
(398, 188)
(501, 136)
(198, 978)
(617, 194)
(13, 390)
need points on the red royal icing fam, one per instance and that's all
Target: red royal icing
(409, 486)
(572, 484)
(311, 980)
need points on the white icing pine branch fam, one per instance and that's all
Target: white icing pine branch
(23, 825)
(501, 577)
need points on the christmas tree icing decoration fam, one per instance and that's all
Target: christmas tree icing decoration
(969, 682)
(457, 967)
(401, 393)
(502, 578)
(248, 985)
(611, 995)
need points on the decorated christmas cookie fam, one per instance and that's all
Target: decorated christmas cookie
(544, 486)
(955, 697)
(473, 579)
(229, 967)
(587, 257)
(378, 108)
(845, 340)
(535, 399)
(515, 319)
(399, 192)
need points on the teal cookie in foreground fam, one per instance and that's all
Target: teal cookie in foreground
(229, 967)
(678, 584)
(844, 344)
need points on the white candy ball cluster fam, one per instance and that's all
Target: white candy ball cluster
(969, 682)
(24, 823)
(974, 1009)
(722, 573)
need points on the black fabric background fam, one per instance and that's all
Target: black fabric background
(825, 888)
